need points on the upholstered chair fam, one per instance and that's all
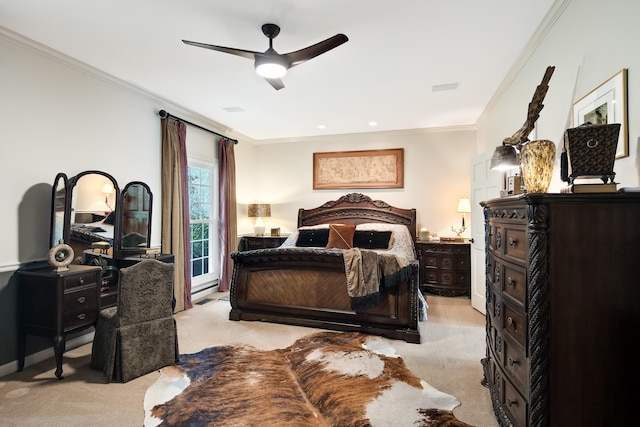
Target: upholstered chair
(139, 335)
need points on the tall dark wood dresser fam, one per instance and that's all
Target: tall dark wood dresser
(563, 308)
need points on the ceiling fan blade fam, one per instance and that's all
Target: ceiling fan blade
(302, 55)
(276, 83)
(249, 54)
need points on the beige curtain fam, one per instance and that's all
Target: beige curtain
(228, 221)
(175, 208)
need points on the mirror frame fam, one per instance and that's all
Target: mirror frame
(53, 238)
(71, 185)
(118, 247)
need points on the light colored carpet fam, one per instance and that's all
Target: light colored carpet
(453, 342)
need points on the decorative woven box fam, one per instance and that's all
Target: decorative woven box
(591, 151)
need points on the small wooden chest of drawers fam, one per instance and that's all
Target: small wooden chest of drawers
(53, 304)
(445, 267)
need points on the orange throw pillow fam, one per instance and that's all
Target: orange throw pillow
(341, 236)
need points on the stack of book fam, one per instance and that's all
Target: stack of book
(610, 187)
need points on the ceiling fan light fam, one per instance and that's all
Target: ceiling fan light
(271, 70)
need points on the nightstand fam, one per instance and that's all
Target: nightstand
(251, 241)
(445, 267)
(54, 303)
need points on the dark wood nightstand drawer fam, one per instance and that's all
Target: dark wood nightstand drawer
(77, 280)
(80, 308)
(249, 243)
(80, 301)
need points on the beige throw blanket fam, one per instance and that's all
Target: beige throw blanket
(368, 271)
(363, 281)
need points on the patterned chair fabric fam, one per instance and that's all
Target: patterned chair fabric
(139, 335)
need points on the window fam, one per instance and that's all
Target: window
(202, 224)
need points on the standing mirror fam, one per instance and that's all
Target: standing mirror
(136, 202)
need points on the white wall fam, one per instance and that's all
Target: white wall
(58, 115)
(589, 42)
(436, 175)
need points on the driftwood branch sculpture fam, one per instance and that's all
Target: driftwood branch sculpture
(535, 106)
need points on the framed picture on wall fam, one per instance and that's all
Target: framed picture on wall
(359, 169)
(606, 104)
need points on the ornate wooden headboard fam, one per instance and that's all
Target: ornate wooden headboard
(356, 208)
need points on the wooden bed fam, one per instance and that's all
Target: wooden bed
(310, 289)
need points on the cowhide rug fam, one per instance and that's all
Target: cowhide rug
(323, 379)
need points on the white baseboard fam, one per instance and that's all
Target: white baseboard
(45, 354)
(203, 293)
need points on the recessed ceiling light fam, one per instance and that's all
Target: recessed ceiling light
(322, 126)
(448, 86)
(233, 109)
(373, 123)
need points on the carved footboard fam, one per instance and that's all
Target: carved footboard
(309, 289)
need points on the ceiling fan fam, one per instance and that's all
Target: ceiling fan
(272, 65)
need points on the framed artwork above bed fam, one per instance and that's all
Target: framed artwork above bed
(359, 169)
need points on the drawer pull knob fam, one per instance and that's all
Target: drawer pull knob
(81, 300)
(512, 241)
(512, 361)
(81, 316)
(81, 281)
(510, 321)
(511, 282)
(512, 402)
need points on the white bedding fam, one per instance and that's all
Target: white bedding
(401, 242)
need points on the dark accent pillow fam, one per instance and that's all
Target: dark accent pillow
(341, 236)
(111, 218)
(371, 239)
(310, 238)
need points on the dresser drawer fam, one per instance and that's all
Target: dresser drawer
(515, 244)
(431, 276)
(431, 261)
(514, 283)
(516, 364)
(249, 243)
(78, 280)
(447, 262)
(514, 325)
(80, 307)
(515, 404)
(447, 277)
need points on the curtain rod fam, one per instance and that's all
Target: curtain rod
(165, 115)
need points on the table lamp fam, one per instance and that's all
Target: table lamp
(464, 207)
(107, 189)
(259, 211)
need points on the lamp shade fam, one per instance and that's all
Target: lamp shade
(107, 188)
(505, 157)
(259, 210)
(464, 206)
